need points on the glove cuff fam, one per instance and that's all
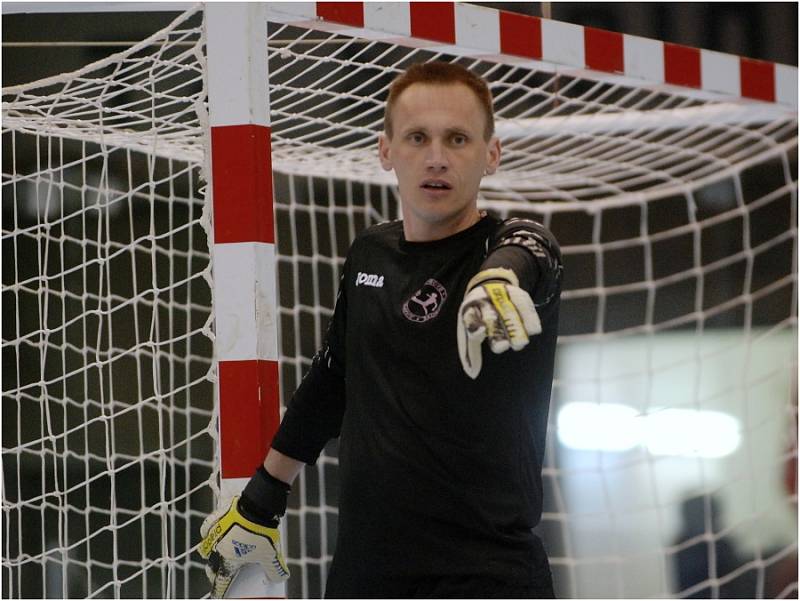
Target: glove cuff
(493, 273)
(264, 498)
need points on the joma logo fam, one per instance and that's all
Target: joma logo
(369, 279)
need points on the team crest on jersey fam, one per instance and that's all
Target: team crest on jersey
(426, 302)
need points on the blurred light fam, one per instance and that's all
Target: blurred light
(595, 426)
(691, 433)
(613, 427)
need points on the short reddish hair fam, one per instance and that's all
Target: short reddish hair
(440, 73)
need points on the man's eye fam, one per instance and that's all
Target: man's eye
(416, 138)
(459, 139)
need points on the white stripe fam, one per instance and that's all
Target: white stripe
(391, 17)
(230, 487)
(720, 72)
(237, 63)
(289, 12)
(643, 58)
(245, 302)
(562, 43)
(477, 27)
(786, 85)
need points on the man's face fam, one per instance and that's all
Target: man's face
(439, 154)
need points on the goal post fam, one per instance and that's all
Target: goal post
(243, 251)
(175, 221)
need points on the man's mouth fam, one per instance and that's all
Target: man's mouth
(436, 184)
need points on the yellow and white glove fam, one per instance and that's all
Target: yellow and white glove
(230, 541)
(494, 307)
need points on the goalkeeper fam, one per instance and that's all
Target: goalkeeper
(435, 373)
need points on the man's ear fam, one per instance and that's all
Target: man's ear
(493, 155)
(383, 152)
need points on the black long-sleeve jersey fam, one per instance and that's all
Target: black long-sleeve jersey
(440, 474)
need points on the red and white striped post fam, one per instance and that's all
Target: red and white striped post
(243, 251)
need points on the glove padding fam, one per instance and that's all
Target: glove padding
(230, 540)
(495, 307)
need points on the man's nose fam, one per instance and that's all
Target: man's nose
(436, 158)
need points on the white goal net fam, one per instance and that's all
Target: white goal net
(107, 400)
(674, 404)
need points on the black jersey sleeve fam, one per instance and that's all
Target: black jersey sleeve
(532, 253)
(314, 414)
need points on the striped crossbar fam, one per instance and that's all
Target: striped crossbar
(461, 28)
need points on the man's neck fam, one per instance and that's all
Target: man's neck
(415, 230)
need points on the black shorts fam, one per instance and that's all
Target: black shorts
(435, 587)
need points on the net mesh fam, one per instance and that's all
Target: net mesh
(676, 214)
(107, 400)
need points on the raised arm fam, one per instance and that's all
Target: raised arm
(521, 272)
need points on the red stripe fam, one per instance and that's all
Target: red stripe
(520, 35)
(434, 21)
(346, 13)
(682, 65)
(249, 414)
(242, 178)
(758, 79)
(603, 50)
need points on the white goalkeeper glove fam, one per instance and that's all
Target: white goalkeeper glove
(494, 307)
(233, 537)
